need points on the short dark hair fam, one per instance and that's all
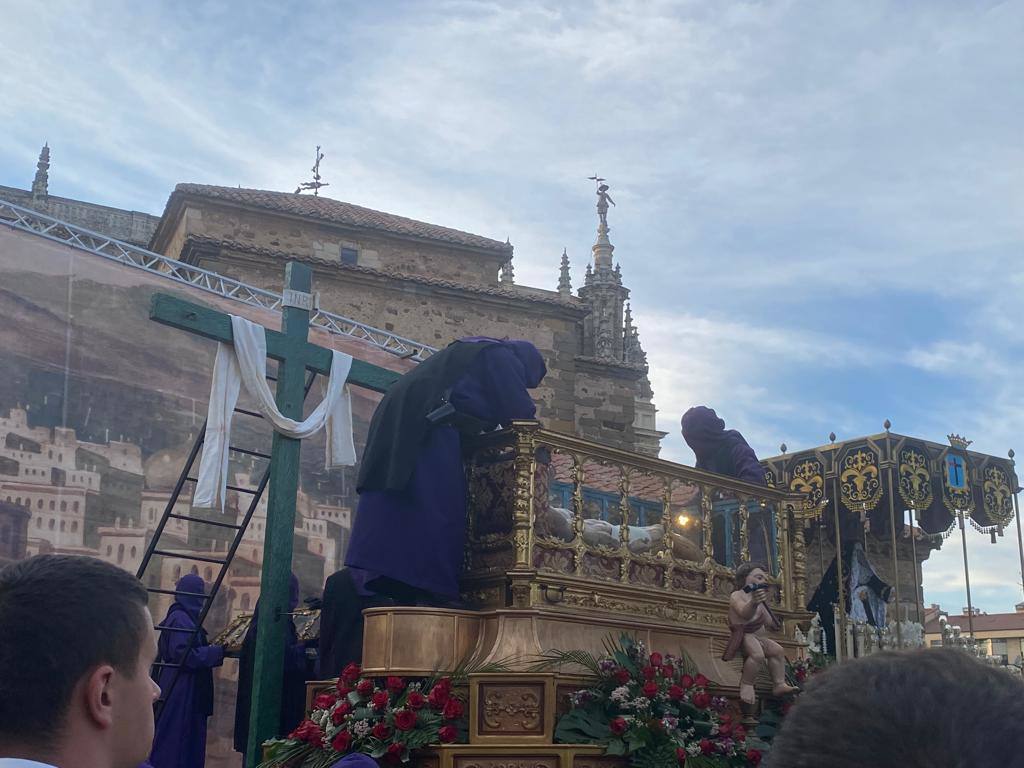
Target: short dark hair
(928, 707)
(60, 617)
(743, 571)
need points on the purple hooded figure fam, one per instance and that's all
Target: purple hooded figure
(295, 673)
(409, 531)
(180, 740)
(720, 450)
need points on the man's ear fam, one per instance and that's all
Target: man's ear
(99, 696)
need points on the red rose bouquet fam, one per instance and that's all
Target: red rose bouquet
(385, 719)
(654, 709)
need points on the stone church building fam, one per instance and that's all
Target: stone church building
(422, 281)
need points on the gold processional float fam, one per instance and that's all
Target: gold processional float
(570, 542)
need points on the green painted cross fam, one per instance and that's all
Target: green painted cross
(294, 355)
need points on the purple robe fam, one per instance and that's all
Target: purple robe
(180, 739)
(416, 536)
(720, 450)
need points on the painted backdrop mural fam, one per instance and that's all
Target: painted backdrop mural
(99, 407)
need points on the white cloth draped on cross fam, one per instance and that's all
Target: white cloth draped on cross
(245, 362)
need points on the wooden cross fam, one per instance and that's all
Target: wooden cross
(294, 355)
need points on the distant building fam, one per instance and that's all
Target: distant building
(999, 634)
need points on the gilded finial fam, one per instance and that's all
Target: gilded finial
(887, 424)
(782, 447)
(831, 437)
(1011, 454)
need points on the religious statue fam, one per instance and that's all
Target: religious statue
(749, 616)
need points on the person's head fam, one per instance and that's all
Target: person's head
(702, 428)
(925, 708)
(750, 574)
(194, 584)
(76, 644)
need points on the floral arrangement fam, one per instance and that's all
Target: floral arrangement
(653, 709)
(385, 719)
(798, 671)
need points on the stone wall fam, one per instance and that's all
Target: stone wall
(306, 237)
(437, 315)
(130, 226)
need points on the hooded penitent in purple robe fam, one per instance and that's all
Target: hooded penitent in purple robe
(294, 675)
(720, 450)
(180, 740)
(725, 452)
(415, 536)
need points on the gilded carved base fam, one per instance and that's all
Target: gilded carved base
(422, 641)
(515, 755)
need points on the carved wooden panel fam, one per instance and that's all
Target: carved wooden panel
(510, 709)
(602, 761)
(686, 580)
(519, 761)
(647, 574)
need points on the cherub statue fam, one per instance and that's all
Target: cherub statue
(749, 615)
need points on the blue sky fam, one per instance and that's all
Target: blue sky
(819, 204)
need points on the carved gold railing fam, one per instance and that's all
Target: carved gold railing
(549, 505)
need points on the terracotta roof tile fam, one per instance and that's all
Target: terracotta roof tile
(986, 622)
(571, 303)
(338, 212)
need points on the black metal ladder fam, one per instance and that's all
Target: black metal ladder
(154, 548)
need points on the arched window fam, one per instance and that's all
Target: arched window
(177, 572)
(74, 507)
(208, 574)
(51, 523)
(39, 522)
(245, 601)
(63, 524)
(18, 501)
(254, 553)
(321, 548)
(39, 503)
(120, 553)
(110, 549)
(195, 570)
(134, 551)
(63, 506)
(52, 505)
(74, 526)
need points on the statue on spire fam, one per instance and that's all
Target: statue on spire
(603, 198)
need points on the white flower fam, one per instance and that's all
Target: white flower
(620, 694)
(362, 728)
(693, 749)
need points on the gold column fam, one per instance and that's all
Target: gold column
(799, 558)
(782, 547)
(525, 465)
(624, 551)
(579, 547)
(744, 532)
(668, 552)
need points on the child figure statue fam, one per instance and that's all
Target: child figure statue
(749, 615)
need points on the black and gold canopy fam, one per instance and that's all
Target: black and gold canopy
(933, 479)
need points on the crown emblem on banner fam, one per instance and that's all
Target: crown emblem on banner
(959, 442)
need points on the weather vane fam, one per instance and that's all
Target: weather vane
(315, 184)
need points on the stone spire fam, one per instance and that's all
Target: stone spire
(602, 290)
(564, 281)
(40, 183)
